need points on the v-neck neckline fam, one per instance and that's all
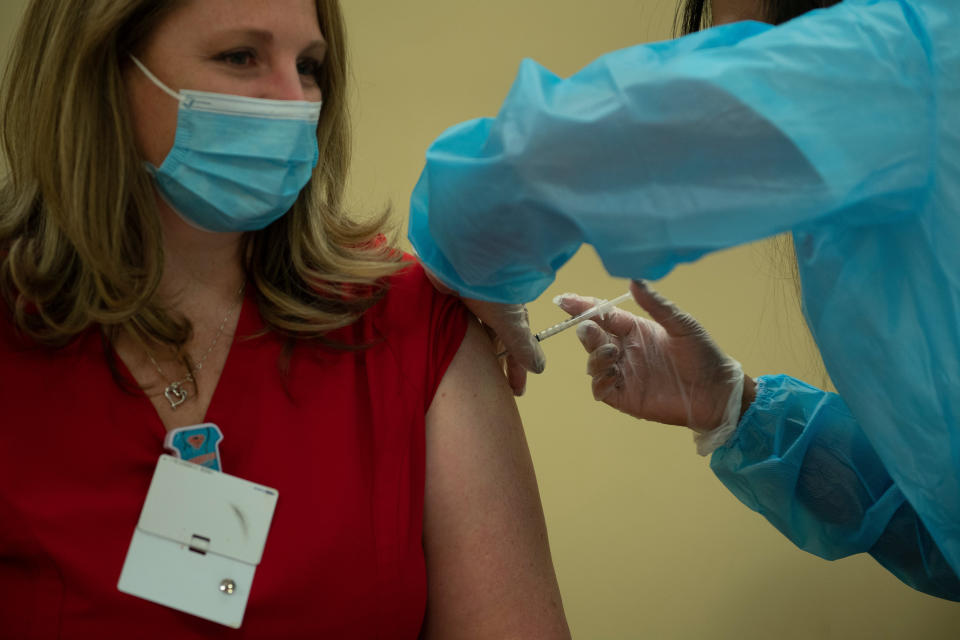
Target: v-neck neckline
(245, 328)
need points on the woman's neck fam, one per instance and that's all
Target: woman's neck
(201, 268)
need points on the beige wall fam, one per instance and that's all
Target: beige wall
(646, 542)
(9, 17)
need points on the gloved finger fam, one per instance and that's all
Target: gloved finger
(615, 321)
(592, 337)
(603, 359)
(605, 386)
(523, 348)
(573, 303)
(676, 323)
(516, 376)
(511, 324)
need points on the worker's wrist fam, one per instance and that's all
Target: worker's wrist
(710, 440)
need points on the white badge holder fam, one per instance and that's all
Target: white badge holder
(199, 540)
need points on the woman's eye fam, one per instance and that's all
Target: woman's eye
(308, 67)
(238, 58)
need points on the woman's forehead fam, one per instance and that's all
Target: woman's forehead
(274, 19)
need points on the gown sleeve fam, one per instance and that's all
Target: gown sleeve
(800, 459)
(661, 153)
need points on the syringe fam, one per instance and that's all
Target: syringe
(601, 307)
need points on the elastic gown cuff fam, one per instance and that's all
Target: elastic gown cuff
(709, 441)
(761, 400)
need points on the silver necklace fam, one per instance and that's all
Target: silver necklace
(175, 393)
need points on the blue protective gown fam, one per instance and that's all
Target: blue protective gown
(842, 126)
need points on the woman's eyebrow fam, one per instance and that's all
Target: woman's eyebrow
(319, 45)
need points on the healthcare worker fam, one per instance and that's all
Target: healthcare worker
(841, 126)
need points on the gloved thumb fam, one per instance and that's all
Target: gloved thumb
(511, 324)
(675, 322)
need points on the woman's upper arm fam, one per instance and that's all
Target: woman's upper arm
(489, 570)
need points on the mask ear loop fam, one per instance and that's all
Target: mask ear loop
(155, 80)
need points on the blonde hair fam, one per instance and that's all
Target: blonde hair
(80, 237)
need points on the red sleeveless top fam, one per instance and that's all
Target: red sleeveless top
(341, 437)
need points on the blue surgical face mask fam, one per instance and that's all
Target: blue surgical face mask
(237, 164)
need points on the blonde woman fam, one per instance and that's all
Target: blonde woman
(175, 253)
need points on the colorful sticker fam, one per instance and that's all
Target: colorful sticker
(199, 444)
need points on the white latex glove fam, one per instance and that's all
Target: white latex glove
(667, 369)
(508, 326)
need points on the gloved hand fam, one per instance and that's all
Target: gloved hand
(667, 369)
(509, 327)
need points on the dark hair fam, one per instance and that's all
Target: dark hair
(694, 15)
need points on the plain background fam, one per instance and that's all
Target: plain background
(646, 541)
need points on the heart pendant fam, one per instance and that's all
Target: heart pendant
(175, 395)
